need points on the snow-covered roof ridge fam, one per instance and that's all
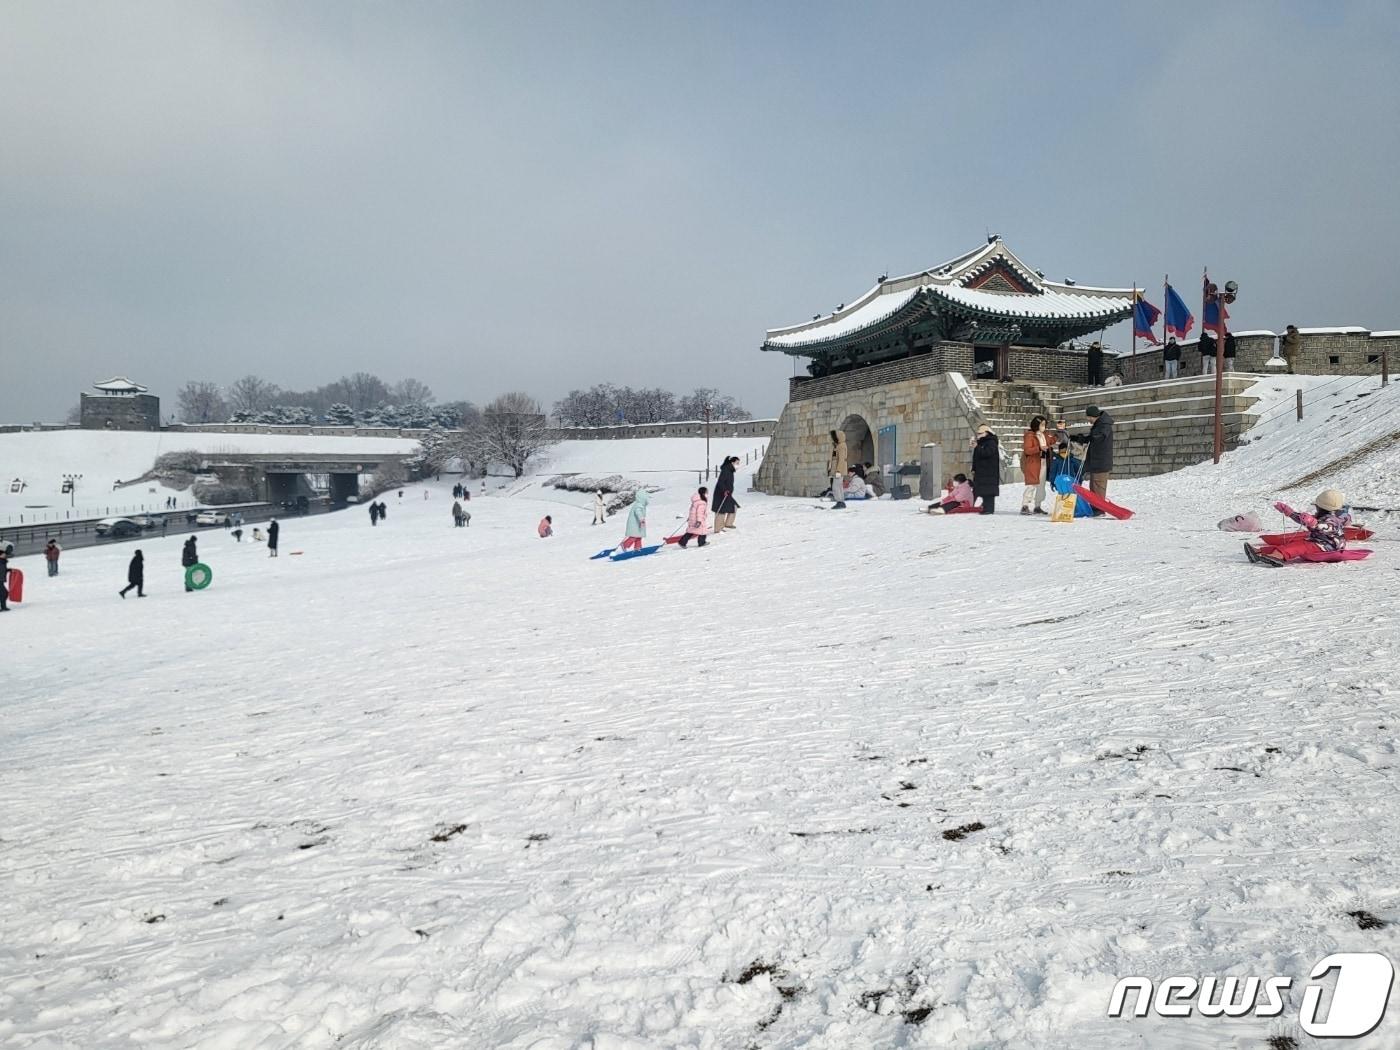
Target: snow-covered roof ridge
(119, 384)
(1337, 330)
(1044, 298)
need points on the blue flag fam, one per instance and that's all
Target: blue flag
(1179, 319)
(1213, 312)
(1144, 317)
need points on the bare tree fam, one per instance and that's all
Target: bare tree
(202, 402)
(251, 394)
(75, 414)
(512, 431)
(361, 391)
(411, 392)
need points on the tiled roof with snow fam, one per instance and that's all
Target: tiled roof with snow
(1045, 301)
(120, 385)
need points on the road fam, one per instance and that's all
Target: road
(30, 539)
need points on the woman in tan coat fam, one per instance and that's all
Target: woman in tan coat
(836, 469)
(1036, 447)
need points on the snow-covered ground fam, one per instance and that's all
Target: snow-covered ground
(860, 779)
(103, 458)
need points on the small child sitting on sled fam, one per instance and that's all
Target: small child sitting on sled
(959, 494)
(1327, 531)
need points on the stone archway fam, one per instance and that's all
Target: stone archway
(860, 439)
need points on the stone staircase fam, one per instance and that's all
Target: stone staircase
(1008, 407)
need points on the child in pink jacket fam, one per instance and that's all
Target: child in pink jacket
(546, 527)
(959, 495)
(695, 520)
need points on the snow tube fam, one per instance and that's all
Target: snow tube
(1354, 532)
(199, 576)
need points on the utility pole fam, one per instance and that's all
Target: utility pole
(707, 441)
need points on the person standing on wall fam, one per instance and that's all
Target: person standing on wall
(836, 467)
(1098, 458)
(1036, 447)
(1095, 363)
(1229, 350)
(986, 468)
(1207, 345)
(1291, 345)
(1171, 358)
(272, 530)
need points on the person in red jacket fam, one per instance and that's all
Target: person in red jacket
(51, 552)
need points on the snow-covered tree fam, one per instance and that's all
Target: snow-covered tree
(340, 415)
(512, 431)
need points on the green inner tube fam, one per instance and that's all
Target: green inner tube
(199, 576)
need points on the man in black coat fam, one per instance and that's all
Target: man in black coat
(1171, 358)
(189, 556)
(1207, 345)
(1098, 458)
(4, 580)
(1095, 364)
(135, 576)
(272, 530)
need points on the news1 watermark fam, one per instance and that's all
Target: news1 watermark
(1356, 1006)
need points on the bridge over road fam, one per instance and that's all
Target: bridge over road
(277, 476)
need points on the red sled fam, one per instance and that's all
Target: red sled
(1099, 503)
(1354, 532)
(16, 586)
(1350, 554)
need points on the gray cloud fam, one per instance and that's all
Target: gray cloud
(544, 196)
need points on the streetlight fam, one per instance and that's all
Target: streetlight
(1218, 298)
(71, 484)
(707, 440)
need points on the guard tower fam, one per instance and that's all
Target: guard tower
(119, 404)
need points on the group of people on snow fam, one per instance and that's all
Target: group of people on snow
(377, 513)
(1045, 455)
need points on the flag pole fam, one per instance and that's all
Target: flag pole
(1219, 364)
(1166, 283)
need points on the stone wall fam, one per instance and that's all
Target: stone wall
(1164, 426)
(119, 412)
(1067, 367)
(1325, 351)
(718, 429)
(922, 408)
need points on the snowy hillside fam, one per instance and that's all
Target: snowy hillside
(839, 780)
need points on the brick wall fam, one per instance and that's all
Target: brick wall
(1348, 352)
(124, 412)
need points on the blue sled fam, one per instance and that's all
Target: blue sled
(601, 554)
(636, 553)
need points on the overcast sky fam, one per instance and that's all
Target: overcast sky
(543, 196)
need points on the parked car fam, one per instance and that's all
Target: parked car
(211, 517)
(116, 528)
(144, 520)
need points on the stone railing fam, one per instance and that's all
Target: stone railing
(1323, 351)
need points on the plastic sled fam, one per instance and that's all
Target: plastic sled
(1099, 503)
(638, 553)
(960, 510)
(16, 586)
(601, 554)
(1273, 539)
(1350, 554)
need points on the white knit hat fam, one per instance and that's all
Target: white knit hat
(1330, 499)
